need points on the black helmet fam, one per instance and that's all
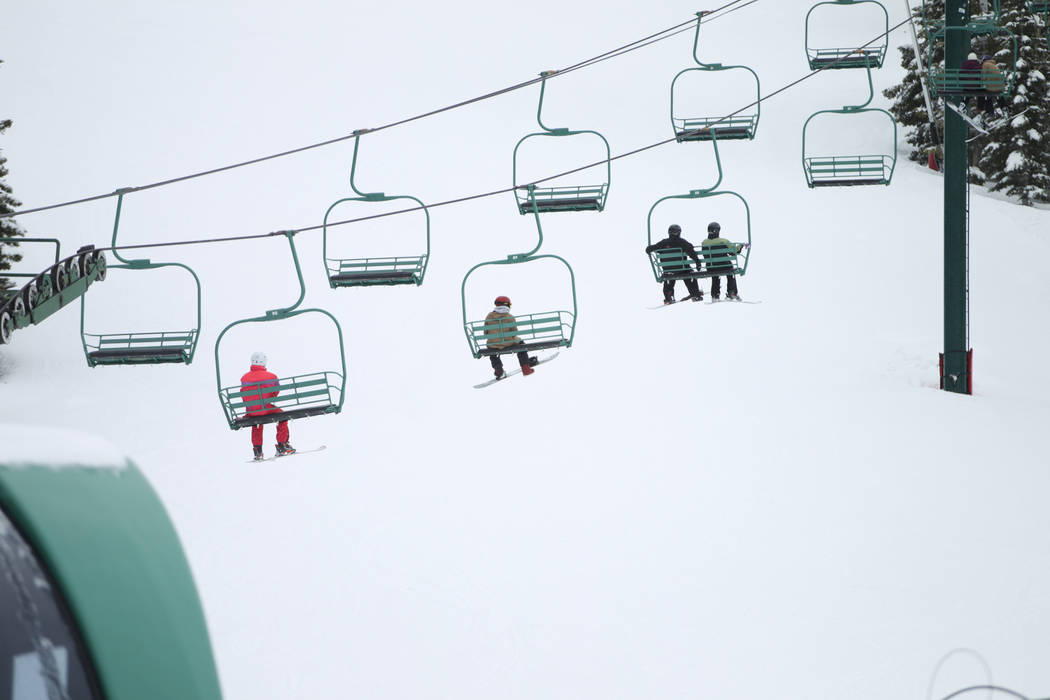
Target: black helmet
(674, 230)
(714, 226)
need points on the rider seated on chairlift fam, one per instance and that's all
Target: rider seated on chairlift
(993, 83)
(717, 253)
(265, 383)
(499, 323)
(970, 74)
(674, 240)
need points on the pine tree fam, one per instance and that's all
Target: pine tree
(909, 107)
(8, 228)
(1013, 158)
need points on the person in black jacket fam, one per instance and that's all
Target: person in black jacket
(674, 240)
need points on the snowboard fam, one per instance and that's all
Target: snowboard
(992, 126)
(965, 117)
(662, 306)
(982, 130)
(297, 452)
(511, 373)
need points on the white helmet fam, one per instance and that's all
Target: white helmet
(259, 358)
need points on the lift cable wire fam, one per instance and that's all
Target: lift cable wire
(504, 190)
(613, 158)
(999, 688)
(626, 48)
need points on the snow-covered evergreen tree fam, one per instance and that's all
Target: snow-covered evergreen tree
(1015, 158)
(1012, 158)
(8, 228)
(909, 107)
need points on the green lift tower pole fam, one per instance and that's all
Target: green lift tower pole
(956, 360)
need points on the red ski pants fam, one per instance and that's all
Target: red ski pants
(282, 431)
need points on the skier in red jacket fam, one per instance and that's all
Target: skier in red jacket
(265, 383)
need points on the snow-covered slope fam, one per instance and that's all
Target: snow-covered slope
(700, 501)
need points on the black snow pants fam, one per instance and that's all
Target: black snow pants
(497, 360)
(690, 284)
(716, 286)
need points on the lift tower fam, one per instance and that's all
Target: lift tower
(956, 362)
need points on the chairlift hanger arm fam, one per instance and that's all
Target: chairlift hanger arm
(871, 91)
(695, 193)
(539, 228)
(711, 66)
(373, 196)
(116, 225)
(560, 131)
(700, 194)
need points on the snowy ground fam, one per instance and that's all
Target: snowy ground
(700, 501)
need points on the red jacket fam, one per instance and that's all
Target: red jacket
(258, 378)
(970, 75)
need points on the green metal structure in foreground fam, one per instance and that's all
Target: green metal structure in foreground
(298, 396)
(97, 601)
(589, 197)
(48, 291)
(360, 272)
(140, 348)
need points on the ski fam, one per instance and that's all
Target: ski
(966, 117)
(297, 452)
(546, 358)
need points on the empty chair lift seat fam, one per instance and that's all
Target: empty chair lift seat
(140, 348)
(846, 58)
(729, 128)
(845, 171)
(553, 199)
(373, 271)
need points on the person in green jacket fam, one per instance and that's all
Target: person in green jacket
(719, 256)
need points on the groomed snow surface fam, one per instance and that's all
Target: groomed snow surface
(725, 501)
